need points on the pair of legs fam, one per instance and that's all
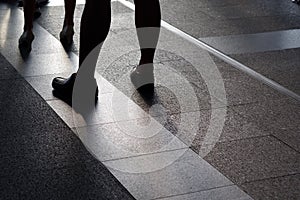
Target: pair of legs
(95, 24)
(27, 35)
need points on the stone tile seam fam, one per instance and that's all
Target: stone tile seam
(126, 120)
(204, 190)
(272, 135)
(269, 178)
(146, 154)
(257, 137)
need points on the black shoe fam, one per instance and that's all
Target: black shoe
(65, 85)
(143, 79)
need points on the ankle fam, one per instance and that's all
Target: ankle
(146, 62)
(28, 34)
(68, 25)
(146, 67)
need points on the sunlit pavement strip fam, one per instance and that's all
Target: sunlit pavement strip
(61, 2)
(258, 42)
(163, 169)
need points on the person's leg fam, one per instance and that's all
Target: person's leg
(94, 28)
(27, 35)
(66, 35)
(147, 21)
(69, 12)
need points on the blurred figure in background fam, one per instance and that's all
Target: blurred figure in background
(296, 1)
(31, 11)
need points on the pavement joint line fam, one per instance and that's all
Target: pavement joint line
(128, 157)
(133, 119)
(223, 56)
(146, 154)
(213, 188)
(285, 143)
(246, 138)
(268, 178)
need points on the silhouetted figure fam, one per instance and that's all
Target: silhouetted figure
(296, 1)
(95, 25)
(66, 35)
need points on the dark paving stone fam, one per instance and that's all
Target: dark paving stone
(6, 71)
(251, 25)
(87, 180)
(227, 71)
(279, 118)
(41, 158)
(245, 16)
(286, 187)
(238, 26)
(257, 9)
(242, 89)
(280, 66)
(18, 109)
(235, 127)
(187, 11)
(185, 70)
(253, 159)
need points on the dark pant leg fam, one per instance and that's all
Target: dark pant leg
(94, 28)
(29, 6)
(147, 21)
(69, 12)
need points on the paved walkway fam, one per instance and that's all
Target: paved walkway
(210, 132)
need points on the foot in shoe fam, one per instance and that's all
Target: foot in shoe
(65, 85)
(25, 41)
(142, 77)
(66, 35)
